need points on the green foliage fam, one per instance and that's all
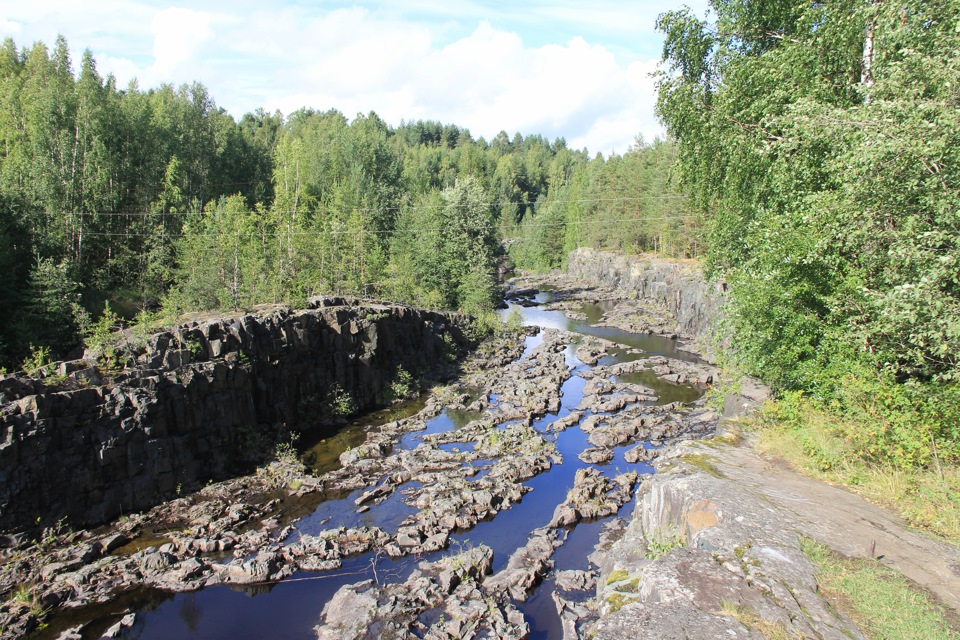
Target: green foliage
(102, 337)
(38, 359)
(49, 314)
(285, 452)
(514, 321)
(662, 541)
(828, 447)
(882, 422)
(820, 142)
(882, 602)
(337, 403)
(629, 203)
(403, 385)
(195, 345)
(161, 199)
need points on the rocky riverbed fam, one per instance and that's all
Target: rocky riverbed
(442, 524)
(569, 484)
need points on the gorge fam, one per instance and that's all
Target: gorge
(498, 505)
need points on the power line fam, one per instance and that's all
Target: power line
(351, 232)
(500, 203)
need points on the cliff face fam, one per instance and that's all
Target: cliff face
(204, 401)
(680, 287)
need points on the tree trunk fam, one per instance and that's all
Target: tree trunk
(866, 76)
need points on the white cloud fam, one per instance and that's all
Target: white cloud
(9, 28)
(179, 36)
(123, 69)
(528, 68)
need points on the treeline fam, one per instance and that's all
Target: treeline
(822, 143)
(160, 199)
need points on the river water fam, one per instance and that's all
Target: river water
(290, 609)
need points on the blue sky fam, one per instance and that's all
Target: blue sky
(579, 70)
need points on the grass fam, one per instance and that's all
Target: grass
(882, 602)
(928, 499)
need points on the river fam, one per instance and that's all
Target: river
(289, 609)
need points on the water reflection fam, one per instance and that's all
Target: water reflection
(320, 451)
(290, 609)
(550, 319)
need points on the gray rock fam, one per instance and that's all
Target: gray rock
(575, 580)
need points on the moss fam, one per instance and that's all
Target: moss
(631, 587)
(732, 437)
(616, 601)
(618, 576)
(702, 462)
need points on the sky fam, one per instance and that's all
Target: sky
(564, 68)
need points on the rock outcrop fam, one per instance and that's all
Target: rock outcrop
(206, 400)
(715, 549)
(680, 287)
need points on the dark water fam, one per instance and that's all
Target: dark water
(650, 344)
(321, 451)
(290, 609)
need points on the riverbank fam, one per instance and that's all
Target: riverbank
(570, 417)
(499, 504)
(718, 546)
(152, 416)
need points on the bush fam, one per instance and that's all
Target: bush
(908, 426)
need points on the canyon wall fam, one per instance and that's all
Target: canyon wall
(204, 401)
(679, 286)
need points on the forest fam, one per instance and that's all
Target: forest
(820, 143)
(811, 163)
(119, 203)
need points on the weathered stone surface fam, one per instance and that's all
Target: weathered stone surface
(575, 580)
(452, 585)
(700, 545)
(593, 496)
(205, 400)
(526, 567)
(681, 288)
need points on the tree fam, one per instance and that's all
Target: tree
(819, 139)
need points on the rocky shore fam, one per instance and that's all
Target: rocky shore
(247, 530)
(714, 550)
(150, 417)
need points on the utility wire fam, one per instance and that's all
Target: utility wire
(353, 232)
(501, 203)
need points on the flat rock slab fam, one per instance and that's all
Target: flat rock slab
(844, 521)
(718, 530)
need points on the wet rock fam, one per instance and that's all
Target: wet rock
(364, 610)
(561, 424)
(125, 623)
(640, 453)
(618, 432)
(526, 567)
(112, 542)
(593, 496)
(591, 422)
(349, 613)
(573, 615)
(575, 580)
(596, 456)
